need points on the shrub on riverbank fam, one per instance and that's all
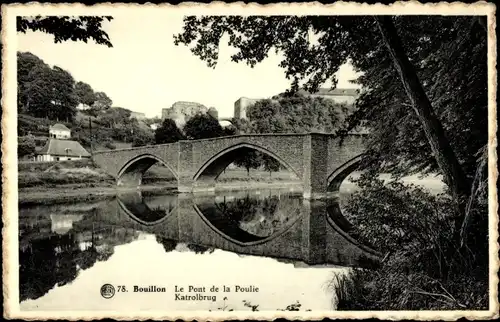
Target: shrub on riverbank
(423, 268)
(57, 175)
(30, 166)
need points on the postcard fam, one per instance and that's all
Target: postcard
(244, 161)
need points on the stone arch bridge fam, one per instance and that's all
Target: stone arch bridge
(320, 161)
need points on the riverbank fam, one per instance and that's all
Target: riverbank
(64, 182)
(84, 192)
(66, 194)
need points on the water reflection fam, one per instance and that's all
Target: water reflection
(54, 247)
(147, 210)
(57, 243)
(249, 219)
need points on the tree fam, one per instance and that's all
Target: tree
(44, 91)
(141, 137)
(34, 96)
(64, 99)
(248, 159)
(213, 113)
(113, 117)
(228, 130)
(168, 132)
(84, 93)
(202, 126)
(341, 39)
(296, 114)
(26, 146)
(26, 62)
(440, 146)
(63, 28)
(102, 101)
(270, 164)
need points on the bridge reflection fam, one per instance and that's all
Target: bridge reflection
(269, 224)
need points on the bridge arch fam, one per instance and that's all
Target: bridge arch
(131, 173)
(336, 178)
(212, 168)
(142, 213)
(234, 234)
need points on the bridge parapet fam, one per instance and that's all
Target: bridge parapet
(312, 157)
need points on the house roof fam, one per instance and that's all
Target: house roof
(64, 148)
(59, 126)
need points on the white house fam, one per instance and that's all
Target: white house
(59, 131)
(59, 150)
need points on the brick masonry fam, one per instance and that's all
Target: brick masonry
(321, 161)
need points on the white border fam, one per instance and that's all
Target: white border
(9, 144)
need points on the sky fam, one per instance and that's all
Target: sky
(145, 71)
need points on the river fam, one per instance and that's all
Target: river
(266, 247)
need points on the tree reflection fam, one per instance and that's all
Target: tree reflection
(199, 249)
(47, 259)
(261, 217)
(168, 244)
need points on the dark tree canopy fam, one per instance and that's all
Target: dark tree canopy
(202, 126)
(102, 101)
(314, 47)
(52, 92)
(26, 146)
(85, 94)
(63, 28)
(168, 132)
(249, 159)
(296, 114)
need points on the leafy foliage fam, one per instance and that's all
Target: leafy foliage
(449, 54)
(26, 146)
(249, 159)
(63, 96)
(141, 136)
(202, 126)
(51, 92)
(296, 114)
(314, 47)
(84, 93)
(63, 28)
(113, 117)
(285, 114)
(102, 101)
(422, 268)
(168, 132)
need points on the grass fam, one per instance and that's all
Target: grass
(57, 175)
(34, 166)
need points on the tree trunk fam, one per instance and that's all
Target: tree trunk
(445, 156)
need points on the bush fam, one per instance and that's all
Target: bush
(423, 268)
(110, 145)
(58, 175)
(31, 166)
(26, 146)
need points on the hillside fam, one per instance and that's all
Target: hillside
(86, 129)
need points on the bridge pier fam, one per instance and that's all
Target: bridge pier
(314, 232)
(186, 183)
(315, 169)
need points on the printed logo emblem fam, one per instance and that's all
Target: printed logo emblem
(107, 291)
